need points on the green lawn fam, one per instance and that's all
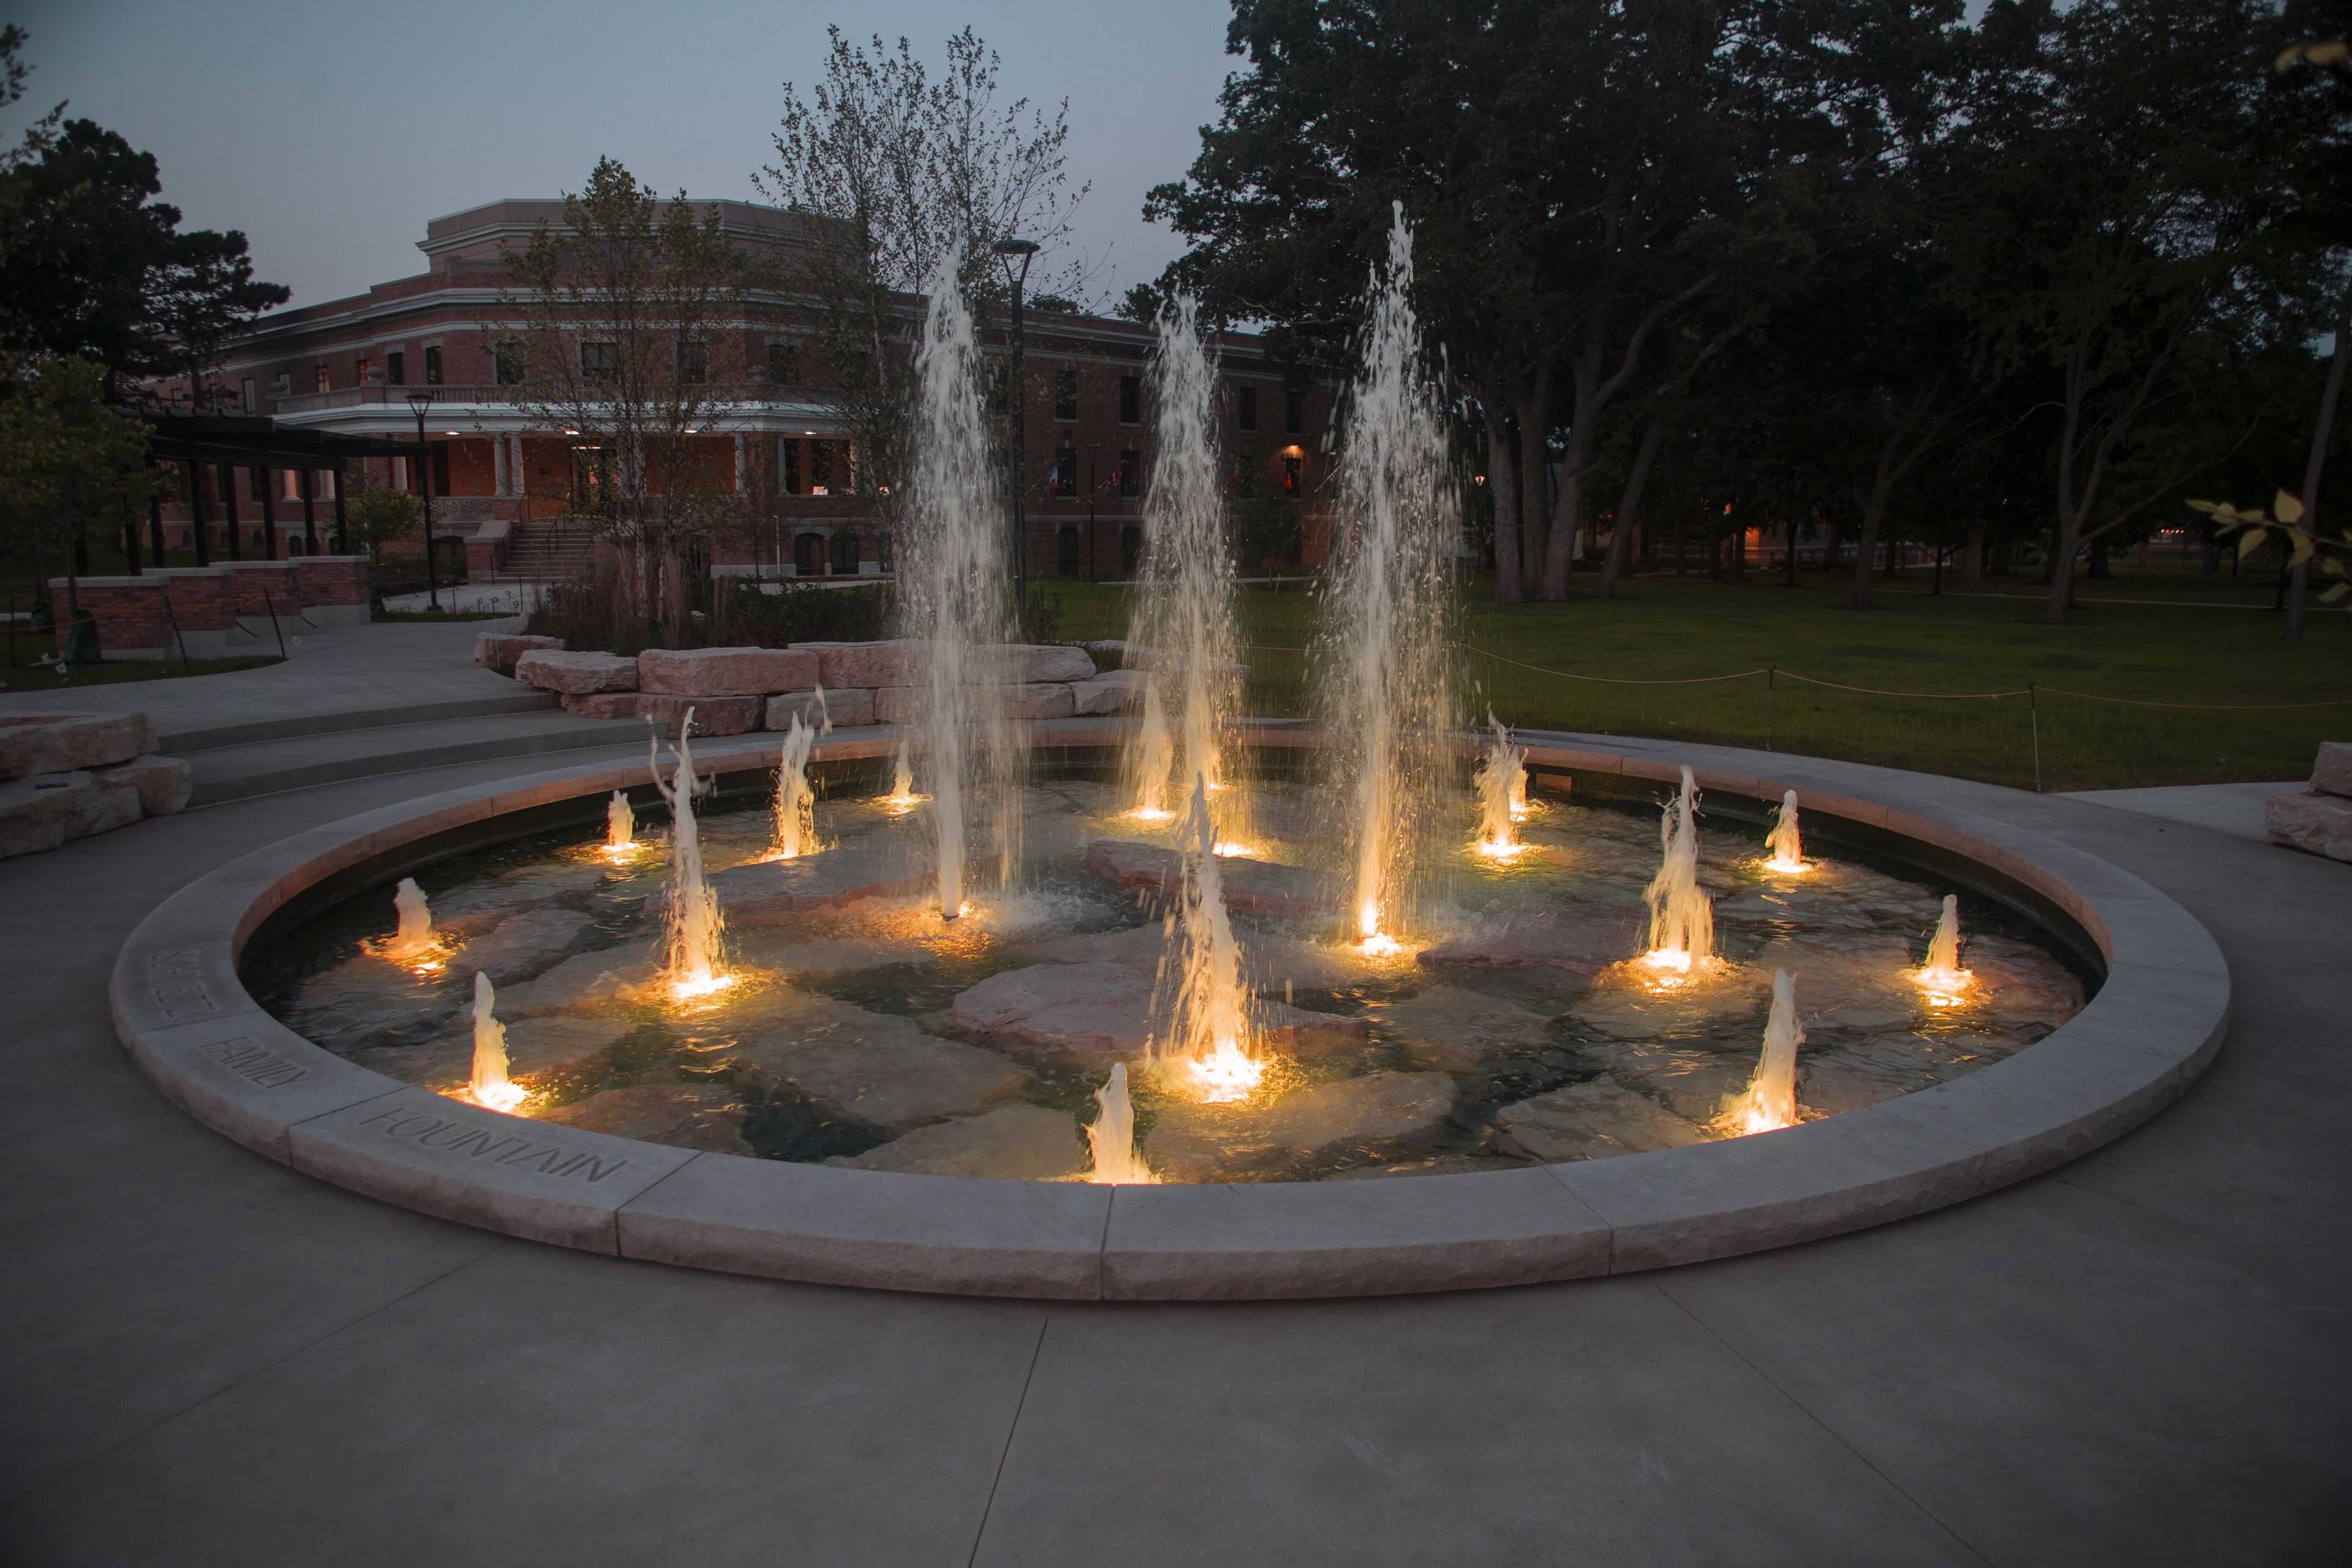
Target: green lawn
(2195, 651)
(27, 676)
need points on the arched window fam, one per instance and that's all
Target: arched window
(844, 553)
(808, 554)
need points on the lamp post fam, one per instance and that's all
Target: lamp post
(419, 401)
(1024, 249)
(1094, 493)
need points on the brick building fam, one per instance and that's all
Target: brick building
(508, 487)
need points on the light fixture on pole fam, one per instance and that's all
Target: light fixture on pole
(418, 402)
(1024, 249)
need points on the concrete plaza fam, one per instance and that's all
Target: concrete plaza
(2140, 1357)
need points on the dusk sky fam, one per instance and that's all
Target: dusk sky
(332, 135)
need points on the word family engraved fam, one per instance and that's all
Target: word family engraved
(256, 1063)
(174, 979)
(450, 1136)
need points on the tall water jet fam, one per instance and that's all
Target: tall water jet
(1183, 624)
(795, 804)
(694, 956)
(1770, 1099)
(1111, 1136)
(620, 825)
(1206, 1048)
(955, 578)
(1155, 753)
(1502, 784)
(1941, 976)
(1682, 917)
(1383, 658)
(490, 1085)
(1788, 845)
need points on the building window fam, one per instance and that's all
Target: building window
(791, 456)
(433, 367)
(1066, 471)
(820, 468)
(844, 553)
(359, 368)
(1130, 400)
(318, 379)
(1245, 408)
(246, 399)
(600, 362)
(1294, 413)
(256, 484)
(507, 363)
(1065, 392)
(1065, 553)
(996, 385)
(1291, 476)
(1130, 550)
(784, 363)
(808, 554)
(1130, 474)
(693, 361)
(395, 367)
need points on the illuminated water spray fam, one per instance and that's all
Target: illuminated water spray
(1208, 1037)
(1941, 976)
(1155, 753)
(490, 1085)
(795, 804)
(955, 577)
(1502, 784)
(620, 825)
(1111, 1136)
(1682, 917)
(694, 954)
(1383, 658)
(1771, 1099)
(1787, 845)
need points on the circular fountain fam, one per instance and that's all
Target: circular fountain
(1191, 1007)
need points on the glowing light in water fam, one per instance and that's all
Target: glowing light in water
(1941, 976)
(411, 945)
(620, 828)
(1155, 753)
(695, 926)
(490, 1086)
(1502, 781)
(795, 801)
(1383, 663)
(1786, 845)
(1112, 1136)
(1236, 851)
(1209, 1027)
(1682, 918)
(1771, 1099)
(902, 797)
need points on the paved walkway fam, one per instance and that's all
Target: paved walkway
(2138, 1359)
(2235, 809)
(333, 678)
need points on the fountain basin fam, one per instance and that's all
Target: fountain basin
(188, 1020)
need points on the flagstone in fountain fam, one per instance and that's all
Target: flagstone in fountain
(1593, 1121)
(680, 1115)
(1251, 886)
(1577, 938)
(1193, 1141)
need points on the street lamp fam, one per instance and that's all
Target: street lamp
(419, 401)
(1094, 493)
(1024, 249)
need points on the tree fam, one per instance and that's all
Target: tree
(896, 173)
(631, 344)
(70, 468)
(376, 513)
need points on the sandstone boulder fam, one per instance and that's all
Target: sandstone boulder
(1041, 702)
(607, 705)
(1031, 664)
(1197, 1143)
(44, 810)
(1112, 692)
(712, 715)
(2315, 823)
(1251, 886)
(725, 671)
(1578, 939)
(2331, 773)
(899, 704)
(849, 708)
(499, 651)
(1014, 1143)
(71, 742)
(163, 783)
(683, 1116)
(866, 665)
(577, 673)
(1592, 1121)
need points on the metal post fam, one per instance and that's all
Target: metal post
(269, 511)
(1094, 493)
(342, 471)
(155, 526)
(420, 401)
(1771, 672)
(197, 512)
(2033, 713)
(227, 472)
(306, 484)
(130, 546)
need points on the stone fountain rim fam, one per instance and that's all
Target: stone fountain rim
(187, 1021)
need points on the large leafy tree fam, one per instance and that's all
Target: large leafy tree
(71, 469)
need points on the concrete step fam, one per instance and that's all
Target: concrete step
(265, 767)
(519, 699)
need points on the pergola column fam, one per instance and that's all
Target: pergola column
(227, 473)
(308, 482)
(195, 473)
(343, 518)
(498, 467)
(268, 512)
